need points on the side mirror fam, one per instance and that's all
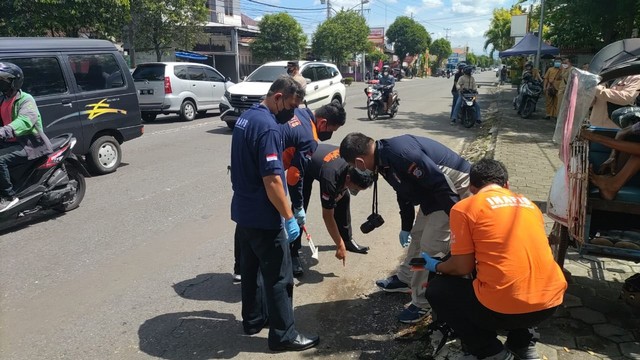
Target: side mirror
(227, 79)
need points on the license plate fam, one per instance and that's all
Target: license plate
(146, 92)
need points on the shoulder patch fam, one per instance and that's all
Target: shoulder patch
(415, 170)
(295, 121)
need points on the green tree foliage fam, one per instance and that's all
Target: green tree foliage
(408, 37)
(281, 37)
(498, 36)
(441, 48)
(98, 18)
(340, 36)
(160, 24)
(374, 55)
(472, 59)
(589, 23)
(484, 61)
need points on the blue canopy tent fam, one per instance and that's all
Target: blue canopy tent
(529, 46)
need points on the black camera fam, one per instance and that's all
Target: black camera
(374, 221)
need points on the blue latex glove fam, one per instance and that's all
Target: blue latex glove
(405, 238)
(292, 228)
(300, 216)
(431, 262)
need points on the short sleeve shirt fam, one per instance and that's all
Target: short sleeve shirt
(332, 174)
(516, 271)
(256, 152)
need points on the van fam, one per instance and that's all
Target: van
(83, 87)
(178, 88)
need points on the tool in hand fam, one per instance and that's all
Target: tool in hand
(314, 249)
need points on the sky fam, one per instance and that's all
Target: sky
(463, 21)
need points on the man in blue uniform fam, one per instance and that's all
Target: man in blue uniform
(422, 172)
(260, 207)
(389, 81)
(337, 180)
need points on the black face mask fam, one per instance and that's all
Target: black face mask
(361, 179)
(324, 135)
(284, 115)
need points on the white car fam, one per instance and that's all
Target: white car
(324, 85)
(178, 88)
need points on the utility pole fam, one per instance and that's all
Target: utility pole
(364, 62)
(328, 2)
(446, 32)
(540, 34)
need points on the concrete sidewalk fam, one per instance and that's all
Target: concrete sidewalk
(593, 322)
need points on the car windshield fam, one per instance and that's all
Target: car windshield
(149, 72)
(267, 74)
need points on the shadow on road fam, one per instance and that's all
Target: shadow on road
(207, 287)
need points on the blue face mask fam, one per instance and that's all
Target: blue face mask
(556, 64)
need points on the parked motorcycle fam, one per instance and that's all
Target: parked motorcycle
(467, 114)
(525, 102)
(55, 181)
(375, 102)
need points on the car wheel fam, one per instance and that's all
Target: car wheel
(104, 155)
(187, 111)
(231, 124)
(148, 117)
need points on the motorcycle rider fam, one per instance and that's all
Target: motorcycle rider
(22, 137)
(389, 82)
(529, 74)
(466, 83)
(376, 73)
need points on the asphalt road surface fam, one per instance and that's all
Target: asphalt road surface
(143, 268)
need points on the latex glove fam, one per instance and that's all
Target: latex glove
(292, 228)
(300, 216)
(431, 263)
(405, 238)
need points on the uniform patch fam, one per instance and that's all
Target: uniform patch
(415, 170)
(325, 197)
(272, 157)
(294, 122)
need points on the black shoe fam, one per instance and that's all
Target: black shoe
(353, 246)
(7, 203)
(300, 343)
(296, 267)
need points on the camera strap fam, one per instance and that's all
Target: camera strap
(374, 203)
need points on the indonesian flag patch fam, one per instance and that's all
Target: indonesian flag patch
(272, 157)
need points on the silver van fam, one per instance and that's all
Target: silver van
(180, 88)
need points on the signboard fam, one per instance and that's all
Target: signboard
(519, 25)
(376, 35)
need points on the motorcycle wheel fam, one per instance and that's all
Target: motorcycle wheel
(527, 111)
(372, 112)
(81, 188)
(468, 118)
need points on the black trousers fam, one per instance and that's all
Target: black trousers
(11, 154)
(267, 283)
(454, 302)
(342, 215)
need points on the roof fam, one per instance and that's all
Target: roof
(18, 45)
(528, 45)
(247, 21)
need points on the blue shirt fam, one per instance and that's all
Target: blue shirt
(387, 80)
(256, 152)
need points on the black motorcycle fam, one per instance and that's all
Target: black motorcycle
(55, 181)
(467, 114)
(376, 102)
(525, 102)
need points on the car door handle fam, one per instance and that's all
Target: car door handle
(67, 102)
(316, 87)
(193, 84)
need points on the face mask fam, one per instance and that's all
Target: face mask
(361, 178)
(284, 115)
(565, 66)
(386, 74)
(354, 192)
(556, 64)
(365, 175)
(324, 135)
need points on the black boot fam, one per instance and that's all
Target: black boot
(296, 267)
(353, 246)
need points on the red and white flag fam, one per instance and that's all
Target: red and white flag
(272, 157)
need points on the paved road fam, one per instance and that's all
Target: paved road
(141, 269)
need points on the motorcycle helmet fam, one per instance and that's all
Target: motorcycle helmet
(11, 77)
(528, 65)
(467, 70)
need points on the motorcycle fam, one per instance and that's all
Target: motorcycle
(525, 102)
(467, 114)
(55, 181)
(375, 102)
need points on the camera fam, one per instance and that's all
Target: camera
(374, 221)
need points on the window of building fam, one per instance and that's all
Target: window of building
(228, 7)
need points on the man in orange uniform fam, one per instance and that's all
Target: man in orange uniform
(501, 236)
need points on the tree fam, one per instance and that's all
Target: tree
(408, 37)
(98, 18)
(281, 37)
(341, 36)
(160, 24)
(472, 59)
(374, 55)
(441, 48)
(498, 36)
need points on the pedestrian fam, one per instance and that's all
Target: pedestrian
(422, 172)
(565, 74)
(622, 92)
(293, 69)
(260, 208)
(503, 74)
(337, 181)
(551, 84)
(500, 236)
(22, 136)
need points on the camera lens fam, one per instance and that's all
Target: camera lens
(367, 227)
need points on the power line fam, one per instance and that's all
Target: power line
(285, 7)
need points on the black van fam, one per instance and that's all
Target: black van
(81, 86)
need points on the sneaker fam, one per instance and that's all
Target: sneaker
(525, 353)
(8, 203)
(393, 284)
(502, 355)
(237, 278)
(412, 314)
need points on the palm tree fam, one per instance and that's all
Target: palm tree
(499, 33)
